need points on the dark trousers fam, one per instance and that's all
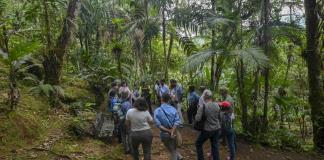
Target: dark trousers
(191, 113)
(143, 138)
(124, 134)
(171, 146)
(149, 103)
(230, 136)
(202, 138)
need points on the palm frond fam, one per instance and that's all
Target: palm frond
(199, 58)
(216, 20)
(254, 56)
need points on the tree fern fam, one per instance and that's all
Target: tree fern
(254, 56)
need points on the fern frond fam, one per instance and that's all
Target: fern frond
(199, 58)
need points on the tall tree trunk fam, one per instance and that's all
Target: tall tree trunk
(47, 27)
(313, 59)
(218, 72)
(164, 36)
(166, 74)
(213, 46)
(254, 98)
(266, 40)
(53, 61)
(241, 88)
(13, 94)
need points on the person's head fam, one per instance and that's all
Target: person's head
(157, 82)
(208, 95)
(173, 83)
(140, 104)
(165, 98)
(223, 91)
(124, 95)
(191, 88)
(113, 85)
(112, 94)
(124, 84)
(162, 81)
(202, 89)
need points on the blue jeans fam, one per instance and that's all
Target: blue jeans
(202, 138)
(230, 136)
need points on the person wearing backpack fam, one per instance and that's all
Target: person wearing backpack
(227, 127)
(167, 120)
(210, 113)
(124, 107)
(112, 96)
(193, 100)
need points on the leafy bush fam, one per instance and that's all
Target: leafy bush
(282, 138)
(78, 127)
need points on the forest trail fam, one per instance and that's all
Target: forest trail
(59, 145)
(246, 151)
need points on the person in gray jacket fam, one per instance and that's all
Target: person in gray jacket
(212, 126)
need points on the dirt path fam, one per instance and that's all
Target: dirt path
(246, 151)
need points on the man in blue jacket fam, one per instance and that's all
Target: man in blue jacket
(167, 120)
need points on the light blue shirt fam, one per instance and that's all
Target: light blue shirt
(166, 116)
(178, 92)
(193, 98)
(164, 90)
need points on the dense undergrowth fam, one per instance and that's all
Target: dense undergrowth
(35, 129)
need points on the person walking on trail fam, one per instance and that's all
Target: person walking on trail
(211, 130)
(157, 91)
(163, 88)
(193, 100)
(124, 88)
(112, 96)
(145, 93)
(125, 106)
(136, 92)
(227, 97)
(167, 120)
(201, 99)
(177, 96)
(227, 127)
(138, 119)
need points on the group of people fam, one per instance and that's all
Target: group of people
(134, 116)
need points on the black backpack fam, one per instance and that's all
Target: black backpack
(226, 121)
(199, 125)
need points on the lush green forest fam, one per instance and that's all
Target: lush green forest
(58, 59)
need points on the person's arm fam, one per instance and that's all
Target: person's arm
(149, 118)
(127, 125)
(165, 129)
(127, 122)
(158, 123)
(199, 113)
(176, 123)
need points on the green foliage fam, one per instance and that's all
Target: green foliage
(47, 90)
(252, 56)
(77, 127)
(283, 138)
